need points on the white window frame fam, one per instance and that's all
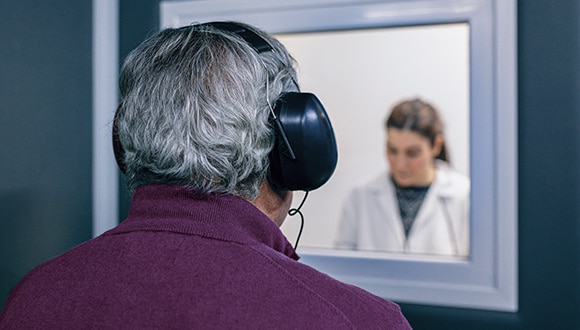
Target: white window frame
(488, 280)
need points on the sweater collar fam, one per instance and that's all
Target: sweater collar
(218, 216)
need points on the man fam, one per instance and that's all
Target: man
(201, 145)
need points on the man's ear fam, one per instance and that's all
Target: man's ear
(273, 202)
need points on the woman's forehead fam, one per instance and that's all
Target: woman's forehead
(405, 138)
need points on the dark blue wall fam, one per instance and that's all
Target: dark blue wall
(45, 132)
(45, 166)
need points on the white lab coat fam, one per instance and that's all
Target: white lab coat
(371, 220)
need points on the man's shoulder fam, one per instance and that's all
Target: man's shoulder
(357, 306)
(193, 282)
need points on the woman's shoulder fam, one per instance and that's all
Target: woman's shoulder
(451, 181)
(379, 184)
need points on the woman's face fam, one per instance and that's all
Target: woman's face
(410, 156)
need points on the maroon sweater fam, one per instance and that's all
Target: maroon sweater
(183, 260)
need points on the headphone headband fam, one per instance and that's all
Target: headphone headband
(250, 37)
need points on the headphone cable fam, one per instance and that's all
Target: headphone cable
(295, 211)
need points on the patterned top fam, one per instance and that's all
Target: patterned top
(410, 200)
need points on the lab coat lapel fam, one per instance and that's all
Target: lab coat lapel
(430, 219)
(389, 208)
(429, 207)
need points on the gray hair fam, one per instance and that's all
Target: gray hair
(195, 109)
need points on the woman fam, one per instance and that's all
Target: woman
(420, 204)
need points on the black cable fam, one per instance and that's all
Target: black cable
(295, 211)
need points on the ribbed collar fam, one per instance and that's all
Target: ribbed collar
(219, 216)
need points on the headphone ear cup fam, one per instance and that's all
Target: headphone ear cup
(305, 154)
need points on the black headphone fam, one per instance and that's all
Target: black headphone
(305, 154)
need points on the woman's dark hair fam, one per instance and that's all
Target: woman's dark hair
(420, 117)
